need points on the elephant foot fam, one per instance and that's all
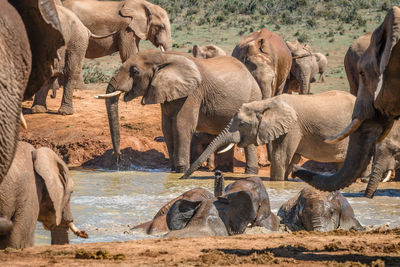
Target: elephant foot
(251, 170)
(65, 110)
(38, 109)
(181, 169)
(281, 179)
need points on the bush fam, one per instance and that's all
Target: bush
(303, 38)
(92, 74)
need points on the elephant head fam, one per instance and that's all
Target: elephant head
(148, 22)
(258, 123)
(229, 214)
(208, 51)
(376, 107)
(304, 65)
(259, 53)
(158, 77)
(55, 210)
(31, 35)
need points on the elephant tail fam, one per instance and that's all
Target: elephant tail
(6, 226)
(94, 36)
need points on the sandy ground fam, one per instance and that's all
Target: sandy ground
(83, 139)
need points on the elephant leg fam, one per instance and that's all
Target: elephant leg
(283, 151)
(251, 159)
(169, 137)
(72, 73)
(39, 102)
(295, 160)
(128, 44)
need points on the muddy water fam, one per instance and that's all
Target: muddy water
(108, 204)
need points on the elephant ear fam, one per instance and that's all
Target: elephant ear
(55, 175)
(181, 213)
(45, 37)
(236, 211)
(347, 219)
(274, 121)
(140, 15)
(175, 78)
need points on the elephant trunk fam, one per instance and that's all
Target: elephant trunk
(305, 86)
(359, 153)
(59, 235)
(219, 183)
(5, 226)
(224, 138)
(113, 118)
(381, 165)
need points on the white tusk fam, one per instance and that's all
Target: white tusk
(76, 231)
(387, 178)
(162, 48)
(352, 127)
(108, 95)
(226, 149)
(23, 121)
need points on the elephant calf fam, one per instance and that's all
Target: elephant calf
(37, 187)
(315, 210)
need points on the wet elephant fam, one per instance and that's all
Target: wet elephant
(36, 188)
(314, 210)
(194, 93)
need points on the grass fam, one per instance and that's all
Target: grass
(328, 26)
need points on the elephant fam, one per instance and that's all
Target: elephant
(304, 67)
(207, 51)
(134, 20)
(353, 54)
(293, 125)
(376, 107)
(76, 37)
(267, 58)
(194, 93)
(314, 210)
(37, 187)
(322, 62)
(30, 36)
(220, 216)
(260, 199)
(159, 224)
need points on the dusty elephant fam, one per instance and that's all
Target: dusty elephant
(207, 51)
(134, 20)
(376, 107)
(292, 126)
(36, 188)
(322, 62)
(314, 210)
(30, 36)
(76, 37)
(194, 93)
(221, 216)
(304, 68)
(159, 224)
(351, 58)
(259, 196)
(267, 58)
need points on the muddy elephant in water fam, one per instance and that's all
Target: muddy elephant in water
(194, 93)
(37, 187)
(293, 125)
(260, 199)
(351, 58)
(267, 58)
(30, 34)
(304, 68)
(159, 224)
(134, 20)
(322, 62)
(376, 107)
(314, 210)
(76, 37)
(207, 51)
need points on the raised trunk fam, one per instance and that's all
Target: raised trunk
(113, 119)
(219, 184)
(359, 152)
(59, 236)
(224, 138)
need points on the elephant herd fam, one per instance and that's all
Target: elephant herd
(238, 99)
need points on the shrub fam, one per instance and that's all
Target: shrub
(303, 37)
(93, 74)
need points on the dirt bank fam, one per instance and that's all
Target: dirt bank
(338, 248)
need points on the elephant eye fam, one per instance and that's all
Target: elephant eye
(133, 71)
(362, 73)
